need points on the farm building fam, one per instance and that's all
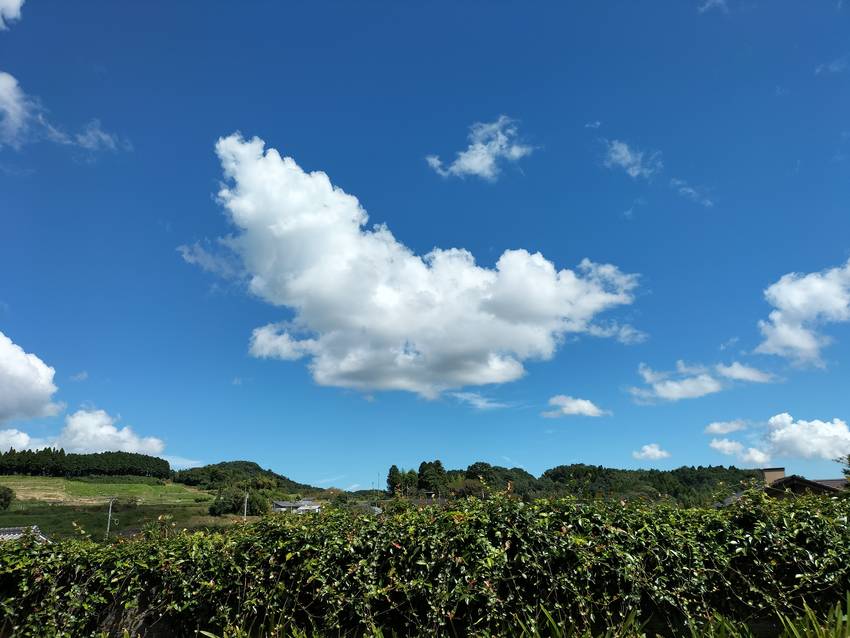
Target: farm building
(17, 533)
(304, 506)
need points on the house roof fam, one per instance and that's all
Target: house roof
(16, 533)
(824, 486)
(795, 479)
(838, 484)
(300, 503)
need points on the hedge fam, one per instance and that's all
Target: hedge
(474, 568)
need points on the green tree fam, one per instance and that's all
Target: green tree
(394, 480)
(409, 482)
(6, 497)
(432, 477)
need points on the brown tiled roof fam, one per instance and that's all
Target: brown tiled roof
(838, 484)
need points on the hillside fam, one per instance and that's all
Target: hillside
(239, 474)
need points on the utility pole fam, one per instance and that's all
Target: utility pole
(109, 518)
(245, 508)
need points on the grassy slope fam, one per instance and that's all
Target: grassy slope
(54, 504)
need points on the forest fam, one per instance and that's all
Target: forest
(56, 462)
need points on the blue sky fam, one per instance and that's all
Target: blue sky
(210, 300)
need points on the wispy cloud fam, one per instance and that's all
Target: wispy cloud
(594, 124)
(634, 162)
(694, 193)
(729, 343)
(622, 332)
(24, 120)
(82, 375)
(213, 258)
(181, 462)
(94, 138)
(838, 65)
(330, 479)
(479, 401)
(490, 145)
(717, 5)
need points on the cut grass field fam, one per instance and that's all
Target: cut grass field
(68, 491)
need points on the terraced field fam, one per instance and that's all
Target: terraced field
(50, 489)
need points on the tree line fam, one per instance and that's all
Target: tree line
(685, 485)
(56, 462)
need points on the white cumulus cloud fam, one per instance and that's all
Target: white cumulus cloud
(370, 314)
(15, 110)
(26, 384)
(14, 438)
(636, 163)
(785, 436)
(10, 10)
(652, 452)
(726, 446)
(803, 303)
(569, 406)
(748, 456)
(490, 144)
(96, 431)
(86, 431)
(807, 439)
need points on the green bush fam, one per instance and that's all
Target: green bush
(7, 495)
(477, 569)
(232, 501)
